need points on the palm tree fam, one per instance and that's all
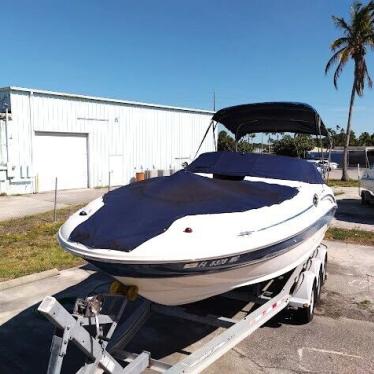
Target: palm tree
(358, 35)
(365, 139)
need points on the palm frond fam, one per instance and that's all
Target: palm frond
(342, 62)
(358, 14)
(361, 75)
(367, 75)
(370, 6)
(368, 38)
(339, 42)
(341, 23)
(333, 59)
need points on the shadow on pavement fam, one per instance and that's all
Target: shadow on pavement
(25, 339)
(351, 210)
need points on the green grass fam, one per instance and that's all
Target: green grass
(350, 236)
(340, 183)
(29, 245)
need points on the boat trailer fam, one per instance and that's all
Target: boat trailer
(95, 319)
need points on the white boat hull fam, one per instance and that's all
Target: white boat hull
(221, 252)
(188, 289)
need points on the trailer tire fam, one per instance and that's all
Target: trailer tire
(319, 287)
(364, 198)
(305, 315)
(324, 272)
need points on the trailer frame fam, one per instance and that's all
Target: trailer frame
(300, 289)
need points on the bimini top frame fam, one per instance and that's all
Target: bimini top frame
(271, 117)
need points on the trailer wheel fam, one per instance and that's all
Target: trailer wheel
(324, 272)
(305, 315)
(364, 198)
(318, 288)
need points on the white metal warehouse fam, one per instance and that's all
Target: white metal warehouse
(84, 141)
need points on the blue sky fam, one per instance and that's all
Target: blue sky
(178, 53)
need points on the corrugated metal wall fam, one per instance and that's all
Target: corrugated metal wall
(3, 159)
(145, 137)
(2, 143)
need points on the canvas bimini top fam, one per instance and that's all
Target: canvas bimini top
(271, 117)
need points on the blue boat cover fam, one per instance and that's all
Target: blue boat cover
(140, 211)
(256, 165)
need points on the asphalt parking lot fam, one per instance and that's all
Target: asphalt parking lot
(351, 214)
(338, 340)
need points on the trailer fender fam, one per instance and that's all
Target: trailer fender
(322, 255)
(300, 297)
(316, 267)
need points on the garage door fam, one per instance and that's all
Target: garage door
(63, 156)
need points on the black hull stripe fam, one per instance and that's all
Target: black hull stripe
(178, 269)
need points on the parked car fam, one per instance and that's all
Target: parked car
(328, 165)
(325, 164)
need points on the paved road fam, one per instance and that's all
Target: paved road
(338, 340)
(26, 205)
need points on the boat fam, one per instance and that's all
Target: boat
(227, 220)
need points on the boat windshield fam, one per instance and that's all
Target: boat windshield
(236, 164)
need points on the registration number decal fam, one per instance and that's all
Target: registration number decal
(212, 263)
